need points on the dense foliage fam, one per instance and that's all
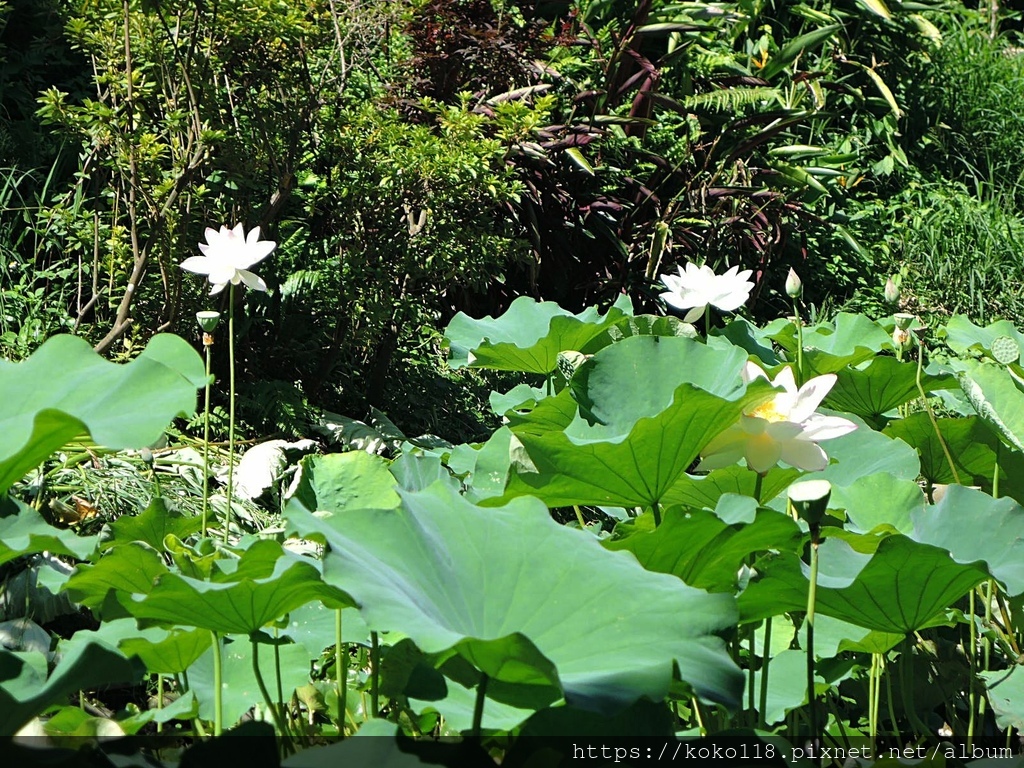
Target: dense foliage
(463, 394)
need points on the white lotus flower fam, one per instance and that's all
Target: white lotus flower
(785, 428)
(697, 287)
(227, 256)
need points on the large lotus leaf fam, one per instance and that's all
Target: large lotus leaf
(552, 414)
(313, 626)
(153, 524)
(240, 689)
(706, 490)
(529, 336)
(65, 389)
(830, 347)
(963, 336)
(107, 586)
(496, 581)
(457, 709)
(647, 408)
(904, 586)
(581, 466)
(866, 452)
(25, 689)
(638, 378)
(415, 471)
(996, 395)
(879, 500)
(975, 528)
(23, 531)
(745, 334)
(833, 636)
(973, 446)
(162, 651)
(339, 481)
(882, 385)
(787, 685)
(267, 584)
(483, 468)
(1006, 694)
(702, 550)
(650, 325)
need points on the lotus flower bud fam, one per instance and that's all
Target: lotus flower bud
(892, 293)
(794, 286)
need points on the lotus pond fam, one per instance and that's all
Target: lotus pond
(798, 540)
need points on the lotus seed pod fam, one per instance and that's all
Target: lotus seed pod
(208, 321)
(904, 320)
(794, 285)
(1005, 350)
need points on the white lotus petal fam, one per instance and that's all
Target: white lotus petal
(810, 396)
(252, 280)
(804, 455)
(763, 453)
(819, 427)
(198, 264)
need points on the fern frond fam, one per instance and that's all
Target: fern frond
(730, 99)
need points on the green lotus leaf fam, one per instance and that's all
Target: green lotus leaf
(23, 531)
(702, 550)
(904, 586)
(339, 481)
(883, 384)
(65, 390)
(484, 468)
(866, 452)
(830, 347)
(25, 689)
(630, 450)
(1006, 694)
(879, 500)
(705, 491)
(153, 525)
(457, 709)
(997, 396)
(787, 684)
(832, 637)
(266, 584)
(529, 336)
(1000, 549)
(162, 651)
(239, 688)
(107, 586)
(511, 589)
(974, 447)
(963, 336)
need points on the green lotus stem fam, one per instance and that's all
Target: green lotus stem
(799, 345)
(277, 674)
(697, 716)
(972, 662)
(812, 590)
(159, 699)
(340, 673)
(995, 472)
(888, 697)
(752, 654)
(206, 440)
(656, 510)
(765, 663)
(873, 702)
(375, 673)
(218, 684)
(579, 516)
(231, 409)
(286, 742)
(478, 706)
(707, 322)
(931, 413)
(758, 482)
